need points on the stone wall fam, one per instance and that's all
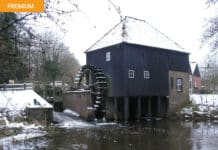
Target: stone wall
(40, 115)
(178, 98)
(79, 101)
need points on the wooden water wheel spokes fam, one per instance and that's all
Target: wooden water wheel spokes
(92, 78)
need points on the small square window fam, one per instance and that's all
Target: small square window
(146, 74)
(179, 85)
(131, 74)
(108, 56)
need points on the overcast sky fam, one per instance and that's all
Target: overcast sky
(181, 20)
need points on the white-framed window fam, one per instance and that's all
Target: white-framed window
(195, 84)
(146, 74)
(131, 74)
(179, 85)
(108, 56)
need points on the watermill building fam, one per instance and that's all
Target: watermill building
(147, 72)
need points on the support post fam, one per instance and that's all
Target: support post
(158, 106)
(90, 78)
(149, 107)
(4, 87)
(139, 108)
(163, 107)
(126, 108)
(115, 109)
(24, 86)
(166, 107)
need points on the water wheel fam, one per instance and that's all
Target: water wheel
(92, 78)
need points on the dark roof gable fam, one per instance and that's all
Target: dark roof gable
(197, 71)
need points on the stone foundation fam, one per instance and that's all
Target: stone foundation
(40, 115)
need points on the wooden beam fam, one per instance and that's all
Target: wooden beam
(126, 108)
(149, 107)
(139, 108)
(115, 109)
(159, 105)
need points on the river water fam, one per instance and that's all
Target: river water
(155, 134)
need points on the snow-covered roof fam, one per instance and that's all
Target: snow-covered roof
(21, 99)
(136, 31)
(193, 66)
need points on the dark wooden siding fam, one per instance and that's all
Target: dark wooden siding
(139, 58)
(114, 69)
(178, 61)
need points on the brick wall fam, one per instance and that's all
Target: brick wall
(178, 98)
(196, 84)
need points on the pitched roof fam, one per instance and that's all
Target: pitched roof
(195, 69)
(136, 31)
(193, 66)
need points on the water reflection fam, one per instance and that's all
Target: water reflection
(152, 135)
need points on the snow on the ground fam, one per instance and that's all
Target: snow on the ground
(22, 125)
(203, 104)
(28, 131)
(14, 102)
(204, 99)
(20, 99)
(12, 105)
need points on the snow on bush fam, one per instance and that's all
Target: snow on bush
(202, 105)
(204, 99)
(205, 102)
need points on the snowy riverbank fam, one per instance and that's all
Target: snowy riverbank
(14, 128)
(202, 107)
(13, 117)
(11, 132)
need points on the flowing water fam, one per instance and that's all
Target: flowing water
(75, 134)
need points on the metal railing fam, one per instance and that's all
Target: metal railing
(9, 87)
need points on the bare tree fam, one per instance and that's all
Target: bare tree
(54, 11)
(210, 35)
(18, 37)
(11, 63)
(210, 73)
(51, 60)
